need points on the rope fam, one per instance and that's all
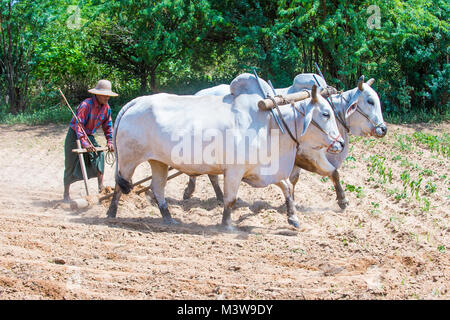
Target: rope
(358, 109)
(284, 122)
(110, 158)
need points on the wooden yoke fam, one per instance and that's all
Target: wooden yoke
(268, 104)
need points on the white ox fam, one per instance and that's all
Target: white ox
(303, 81)
(145, 129)
(359, 111)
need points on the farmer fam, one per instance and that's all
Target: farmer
(92, 113)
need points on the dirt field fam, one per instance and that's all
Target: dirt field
(388, 244)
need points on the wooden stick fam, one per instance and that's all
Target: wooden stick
(109, 195)
(145, 179)
(83, 167)
(78, 120)
(168, 178)
(267, 104)
(97, 149)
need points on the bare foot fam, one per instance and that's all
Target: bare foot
(66, 198)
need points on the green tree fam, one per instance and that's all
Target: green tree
(21, 25)
(411, 54)
(144, 37)
(62, 55)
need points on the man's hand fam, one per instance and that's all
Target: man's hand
(90, 148)
(110, 147)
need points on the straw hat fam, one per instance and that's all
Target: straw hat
(103, 88)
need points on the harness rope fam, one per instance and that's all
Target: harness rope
(284, 122)
(358, 108)
(339, 117)
(295, 139)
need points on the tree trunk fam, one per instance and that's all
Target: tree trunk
(328, 61)
(144, 77)
(12, 94)
(305, 56)
(316, 55)
(153, 81)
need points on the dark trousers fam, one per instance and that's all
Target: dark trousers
(95, 163)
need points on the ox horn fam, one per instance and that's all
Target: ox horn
(314, 93)
(371, 81)
(360, 83)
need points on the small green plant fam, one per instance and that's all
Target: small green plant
(400, 196)
(345, 242)
(426, 206)
(358, 190)
(377, 165)
(430, 187)
(370, 142)
(353, 139)
(391, 192)
(403, 142)
(427, 172)
(405, 177)
(376, 206)
(440, 145)
(324, 179)
(414, 185)
(441, 248)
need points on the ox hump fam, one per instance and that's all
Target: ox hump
(246, 83)
(306, 81)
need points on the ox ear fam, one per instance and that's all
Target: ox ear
(308, 118)
(351, 109)
(360, 83)
(370, 82)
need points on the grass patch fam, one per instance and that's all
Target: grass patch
(53, 114)
(418, 115)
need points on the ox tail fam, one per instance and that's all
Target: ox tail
(124, 185)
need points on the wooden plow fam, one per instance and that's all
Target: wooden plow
(83, 203)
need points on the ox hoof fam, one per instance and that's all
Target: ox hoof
(111, 213)
(220, 198)
(187, 195)
(170, 221)
(293, 221)
(227, 227)
(343, 203)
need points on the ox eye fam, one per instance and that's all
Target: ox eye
(370, 101)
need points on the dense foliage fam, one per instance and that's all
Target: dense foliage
(182, 46)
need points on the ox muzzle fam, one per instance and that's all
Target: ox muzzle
(337, 145)
(379, 130)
